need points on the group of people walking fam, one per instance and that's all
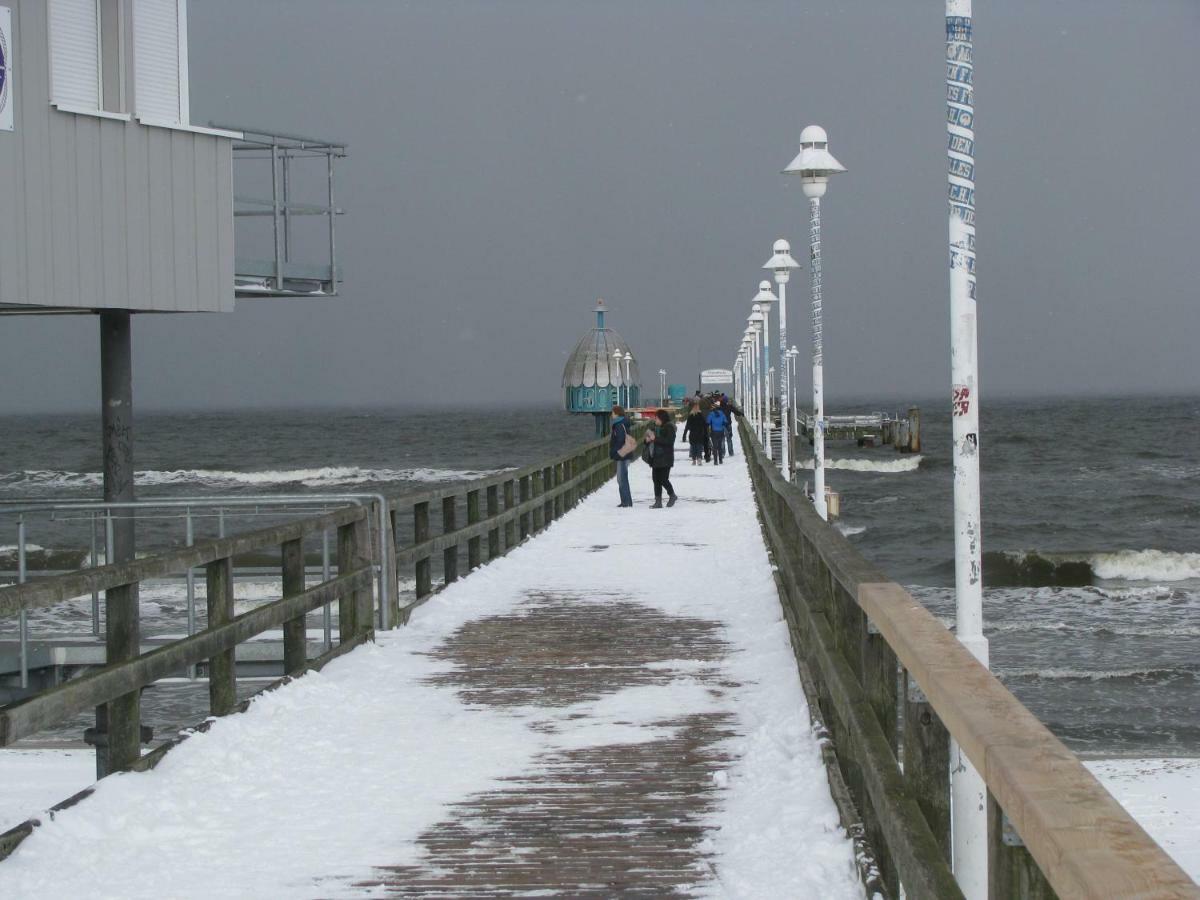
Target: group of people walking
(709, 433)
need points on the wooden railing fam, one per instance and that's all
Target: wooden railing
(501, 512)
(351, 590)
(892, 685)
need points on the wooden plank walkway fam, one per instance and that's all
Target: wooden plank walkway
(612, 710)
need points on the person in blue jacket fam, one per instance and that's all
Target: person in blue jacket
(717, 424)
(616, 443)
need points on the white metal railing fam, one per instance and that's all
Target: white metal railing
(187, 510)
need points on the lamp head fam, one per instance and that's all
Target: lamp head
(814, 163)
(764, 297)
(628, 356)
(781, 263)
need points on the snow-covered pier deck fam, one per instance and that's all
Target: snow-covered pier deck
(616, 707)
(612, 709)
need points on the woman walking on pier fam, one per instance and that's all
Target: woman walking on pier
(618, 438)
(660, 440)
(695, 432)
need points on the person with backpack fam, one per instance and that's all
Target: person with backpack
(660, 441)
(621, 447)
(717, 423)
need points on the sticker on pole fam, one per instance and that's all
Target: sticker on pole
(961, 404)
(6, 88)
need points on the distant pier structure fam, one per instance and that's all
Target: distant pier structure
(602, 370)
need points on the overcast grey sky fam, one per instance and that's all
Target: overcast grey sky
(510, 162)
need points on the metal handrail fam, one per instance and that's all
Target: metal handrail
(385, 555)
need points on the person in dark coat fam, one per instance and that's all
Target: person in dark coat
(662, 439)
(695, 432)
(727, 408)
(616, 442)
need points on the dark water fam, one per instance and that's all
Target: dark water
(1091, 510)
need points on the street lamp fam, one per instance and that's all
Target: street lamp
(662, 387)
(763, 300)
(757, 320)
(617, 360)
(795, 355)
(815, 164)
(750, 343)
(781, 263)
(628, 391)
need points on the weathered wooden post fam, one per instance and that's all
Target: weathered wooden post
(222, 668)
(348, 561)
(927, 762)
(1012, 871)
(493, 510)
(558, 470)
(295, 632)
(548, 504)
(423, 567)
(474, 560)
(510, 527)
(914, 429)
(449, 525)
(526, 517)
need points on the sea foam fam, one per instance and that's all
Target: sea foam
(327, 476)
(883, 466)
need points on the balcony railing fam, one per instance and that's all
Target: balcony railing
(291, 257)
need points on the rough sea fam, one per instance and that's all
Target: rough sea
(1091, 510)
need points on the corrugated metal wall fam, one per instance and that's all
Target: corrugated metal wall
(100, 213)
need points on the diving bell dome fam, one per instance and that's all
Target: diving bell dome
(594, 378)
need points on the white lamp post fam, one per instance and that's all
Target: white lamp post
(795, 355)
(967, 789)
(628, 386)
(620, 387)
(815, 164)
(662, 387)
(763, 300)
(752, 359)
(757, 320)
(781, 263)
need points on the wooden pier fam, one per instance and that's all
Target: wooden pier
(563, 623)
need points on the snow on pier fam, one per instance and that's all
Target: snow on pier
(611, 709)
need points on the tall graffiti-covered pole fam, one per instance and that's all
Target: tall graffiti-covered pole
(968, 791)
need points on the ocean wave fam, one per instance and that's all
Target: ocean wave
(1088, 629)
(326, 476)
(1014, 568)
(884, 466)
(1141, 676)
(13, 548)
(878, 501)
(850, 530)
(1146, 565)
